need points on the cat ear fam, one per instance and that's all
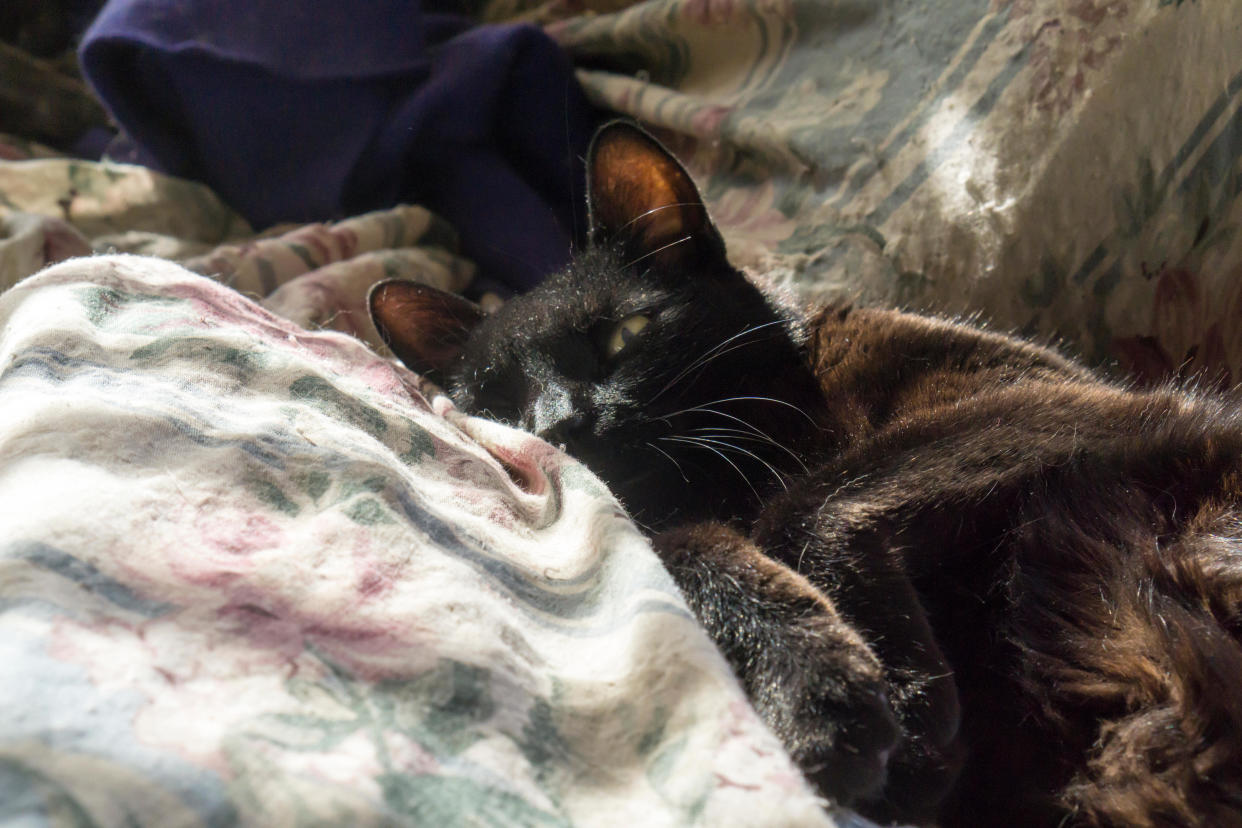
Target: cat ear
(425, 327)
(638, 192)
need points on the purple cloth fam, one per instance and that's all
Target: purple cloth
(307, 111)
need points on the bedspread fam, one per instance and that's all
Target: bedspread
(254, 573)
(1070, 169)
(317, 275)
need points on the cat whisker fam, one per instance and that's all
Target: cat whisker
(702, 409)
(670, 459)
(721, 455)
(660, 249)
(647, 528)
(708, 353)
(801, 555)
(712, 354)
(726, 445)
(749, 426)
(654, 210)
(808, 417)
(757, 436)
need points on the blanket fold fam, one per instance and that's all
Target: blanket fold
(251, 574)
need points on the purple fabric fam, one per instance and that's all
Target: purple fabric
(306, 111)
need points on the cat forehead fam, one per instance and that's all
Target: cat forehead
(593, 291)
(599, 284)
(573, 301)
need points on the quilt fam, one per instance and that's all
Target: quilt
(252, 572)
(255, 574)
(1070, 169)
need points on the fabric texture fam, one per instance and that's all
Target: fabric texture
(297, 112)
(316, 275)
(251, 574)
(1065, 169)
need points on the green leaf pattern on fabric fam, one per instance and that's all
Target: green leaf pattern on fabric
(941, 156)
(254, 576)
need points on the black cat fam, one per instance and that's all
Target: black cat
(964, 579)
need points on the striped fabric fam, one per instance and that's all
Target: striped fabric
(1062, 168)
(252, 574)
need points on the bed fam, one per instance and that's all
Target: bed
(253, 571)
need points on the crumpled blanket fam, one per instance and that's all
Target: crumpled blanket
(309, 111)
(252, 573)
(1068, 169)
(317, 275)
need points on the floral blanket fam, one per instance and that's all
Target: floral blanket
(317, 275)
(1065, 169)
(1070, 168)
(250, 573)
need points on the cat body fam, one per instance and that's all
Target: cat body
(964, 579)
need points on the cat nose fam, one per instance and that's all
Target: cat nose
(564, 432)
(554, 416)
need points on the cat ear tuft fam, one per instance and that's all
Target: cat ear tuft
(424, 326)
(639, 193)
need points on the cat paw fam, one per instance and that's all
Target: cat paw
(809, 674)
(832, 711)
(851, 764)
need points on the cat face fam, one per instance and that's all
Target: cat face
(650, 358)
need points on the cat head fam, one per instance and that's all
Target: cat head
(650, 358)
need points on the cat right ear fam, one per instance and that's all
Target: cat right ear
(424, 326)
(640, 194)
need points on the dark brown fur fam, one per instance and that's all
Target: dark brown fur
(992, 588)
(1075, 547)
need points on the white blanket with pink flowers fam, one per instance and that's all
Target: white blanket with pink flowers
(251, 574)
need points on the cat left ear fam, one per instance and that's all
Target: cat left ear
(640, 194)
(424, 326)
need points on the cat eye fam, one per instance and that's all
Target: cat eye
(626, 331)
